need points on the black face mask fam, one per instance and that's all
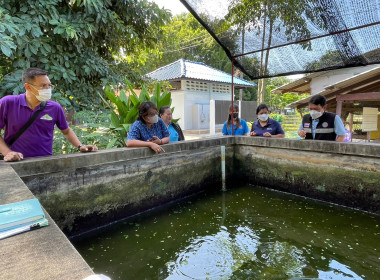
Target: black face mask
(235, 115)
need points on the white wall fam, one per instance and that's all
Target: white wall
(184, 99)
(319, 83)
(178, 104)
(193, 98)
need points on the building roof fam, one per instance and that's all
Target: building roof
(301, 85)
(355, 84)
(185, 69)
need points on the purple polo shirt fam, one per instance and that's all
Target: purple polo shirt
(273, 127)
(37, 140)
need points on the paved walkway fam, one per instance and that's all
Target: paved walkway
(42, 254)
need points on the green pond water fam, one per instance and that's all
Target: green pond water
(245, 233)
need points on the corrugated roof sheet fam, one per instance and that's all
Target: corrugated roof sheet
(348, 85)
(301, 85)
(185, 69)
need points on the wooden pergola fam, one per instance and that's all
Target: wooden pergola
(348, 97)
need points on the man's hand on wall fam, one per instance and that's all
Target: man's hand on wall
(13, 156)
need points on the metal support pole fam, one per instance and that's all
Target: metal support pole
(212, 117)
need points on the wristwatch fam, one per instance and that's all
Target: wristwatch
(81, 145)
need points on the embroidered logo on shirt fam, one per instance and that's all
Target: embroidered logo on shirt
(306, 125)
(46, 117)
(325, 124)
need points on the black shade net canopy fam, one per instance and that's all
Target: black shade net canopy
(271, 38)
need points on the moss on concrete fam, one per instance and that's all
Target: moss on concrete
(80, 208)
(354, 188)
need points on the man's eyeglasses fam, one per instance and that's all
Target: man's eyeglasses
(44, 86)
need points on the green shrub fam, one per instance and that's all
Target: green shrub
(125, 109)
(276, 117)
(92, 128)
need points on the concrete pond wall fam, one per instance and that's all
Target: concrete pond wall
(83, 191)
(343, 173)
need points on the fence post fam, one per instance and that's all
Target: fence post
(239, 109)
(212, 117)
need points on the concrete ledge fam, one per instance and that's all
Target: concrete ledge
(45, 253)
(52, 164)
(366, 150)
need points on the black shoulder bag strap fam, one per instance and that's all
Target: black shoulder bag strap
(25, 127)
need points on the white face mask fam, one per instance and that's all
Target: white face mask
(153, 119)
(43, 94)
(315, 114)
(263, 117)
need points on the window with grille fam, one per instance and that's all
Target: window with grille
(218, 88)
(196, 86)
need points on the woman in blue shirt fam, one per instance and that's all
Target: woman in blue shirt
(265, 126)
(240, 126)
(176, 134)
(148, 130)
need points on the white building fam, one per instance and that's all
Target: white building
(194, 85)
(316, 83)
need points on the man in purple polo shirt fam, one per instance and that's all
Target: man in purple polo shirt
(16, 110)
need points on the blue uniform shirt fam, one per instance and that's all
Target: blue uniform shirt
(338, 126)
(273, 127)
(173, 134)
(140, 131)
(243, 129)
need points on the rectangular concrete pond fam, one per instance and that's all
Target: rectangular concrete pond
(84, 191)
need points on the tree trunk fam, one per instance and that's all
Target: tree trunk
(241, 62)
(261, 70)
(262, 82)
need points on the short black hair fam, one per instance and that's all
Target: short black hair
(318, 100)
(162, 110)
(144, 108)
(260, 107)
(31, 73)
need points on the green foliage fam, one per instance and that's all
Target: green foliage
(278, 102)
(277, 16)
(125, 108)
(276, 117)
(91, 128)
(184, 37)
(329, 59)
(82, 43)
(285, 16)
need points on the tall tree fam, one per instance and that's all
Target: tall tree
(184, 37)
(278, 101)
(264, 16)
(84, 44)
